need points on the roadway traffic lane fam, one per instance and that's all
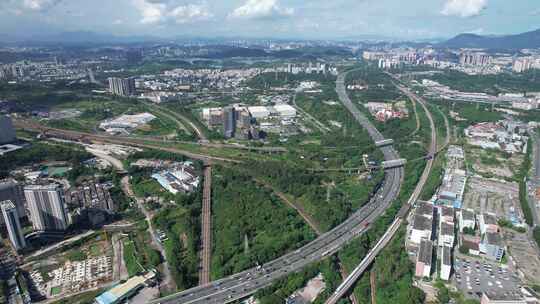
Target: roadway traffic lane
(248, 282)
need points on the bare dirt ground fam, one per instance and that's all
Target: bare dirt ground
(524, 254)
(501, 196)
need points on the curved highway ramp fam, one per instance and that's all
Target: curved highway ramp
(246, 283)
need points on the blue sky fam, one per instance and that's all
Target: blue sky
(408, 19)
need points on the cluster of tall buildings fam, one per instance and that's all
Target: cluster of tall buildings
(241, 122)
(475, 59)
(11, 190)
(122, 86)
(237, 123)
(394, 58)
(46, 206)
(234, 121)
(11, 71)
(310, 68)
(524, 64)
(12, 221)
(46, 209)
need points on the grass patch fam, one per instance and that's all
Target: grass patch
(77, 255)
(56, 290)
(131, 258)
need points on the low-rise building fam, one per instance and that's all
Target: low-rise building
(470, 243)
(424, 259)
(488, 223)
(452, 188)
(91, 203)
(180, 179)
(507, 297)
(424, 209)
(285, 111)
(124, 124)
(421, 229)
(466, 219)
(122, 292)
(446, 234)
(446, 263)
(259, 112)
(492, 246)
(446, 215)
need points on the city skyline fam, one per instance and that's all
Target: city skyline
(420, 19)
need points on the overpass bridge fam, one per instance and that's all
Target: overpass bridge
(349, 282)
(247, 282)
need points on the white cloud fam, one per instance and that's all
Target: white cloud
(190, 13)
(261, 9)
(153, 11)
(19, 7)
(39, 5)
(464, 8)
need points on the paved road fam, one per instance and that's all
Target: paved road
(350, 281)
(167, 280)
(245, 283)
(115, 163)
(179, 119)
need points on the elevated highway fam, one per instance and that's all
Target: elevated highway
(349, 282)
(247, 282)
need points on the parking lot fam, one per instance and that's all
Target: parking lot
(474, 277)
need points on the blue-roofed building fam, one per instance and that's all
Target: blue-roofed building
(121, 292)
(180, 179)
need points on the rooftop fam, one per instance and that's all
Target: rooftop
(505, 296)
(120, 291)
(425, 209)
(467, 215)
(447, 229)
(493, 239)
(447, 211)
(7, 205)
(49, 187)
(489, 219)
(447, 256)
(469, 243)
(422, 223)
(425, 252)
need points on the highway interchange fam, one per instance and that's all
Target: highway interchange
(245, 283)
(349, 282)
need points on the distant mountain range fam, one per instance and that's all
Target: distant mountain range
(517, 41)
(526, 40)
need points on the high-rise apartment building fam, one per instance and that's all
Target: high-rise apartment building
(122, 86)
(229, 122)
(11, 218)
(521, 65)
(476, 59)
(47, 207)
(11, 190)
(7, 132)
